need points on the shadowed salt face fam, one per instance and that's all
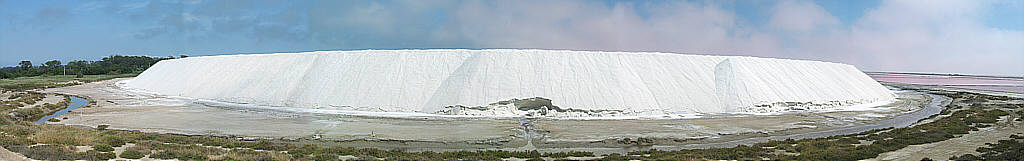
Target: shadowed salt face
(1003, 84)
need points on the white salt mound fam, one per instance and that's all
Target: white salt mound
(579, 83)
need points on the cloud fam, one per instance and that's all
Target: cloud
(197, 20)
(800, 16)
(930, 36)
(382, 24)
(588, 25)
(897, 35)
(916, 36)
(50, 17)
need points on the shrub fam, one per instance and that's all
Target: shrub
(132, 154)
(248, 154)
(105, 156)
(163, 155)
(50, 152)
(178, 155)
(1021, 114)
(325, 157)
(5, 121)
(8, 141)
(614, 156)
(180, 152)
(965, 157)
(114, 140)
(103, 148)
(64, 135)
(26, 113)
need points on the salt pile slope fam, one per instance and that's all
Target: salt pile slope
(430, 81)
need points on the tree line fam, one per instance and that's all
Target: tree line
(114, 64)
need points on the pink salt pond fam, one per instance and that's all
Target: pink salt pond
(990, 83)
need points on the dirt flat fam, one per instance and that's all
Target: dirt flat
(5, 94)
(129, 110)
(722, 127)
(49, 98)
(137, 111)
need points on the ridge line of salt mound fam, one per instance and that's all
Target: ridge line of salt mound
(429, 81)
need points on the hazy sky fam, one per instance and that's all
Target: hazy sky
(971, 36)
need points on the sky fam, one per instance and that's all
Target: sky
(984, 37)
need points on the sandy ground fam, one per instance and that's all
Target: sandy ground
(5, 94)
(219, 121)
(11, 156)
(50, 98)
(136, 111)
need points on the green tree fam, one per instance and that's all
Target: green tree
(25, 64)
(52, 64)
(114, 64)
(78, 65)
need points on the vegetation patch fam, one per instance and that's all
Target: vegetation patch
(51, 152)
(847, 147)
(63, 135)
(103, 148)
(1011, 149)
(133, 154)
(105, 156)
(53, 81)
(111, 65)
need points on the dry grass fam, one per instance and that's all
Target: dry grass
(247, 154)
(182, 152)
(20, 99)
(23, 83)
(64, 135)
(50, 152)
(16, 130)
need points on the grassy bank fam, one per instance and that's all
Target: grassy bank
(866, 145)
(1010, 149)
(36, 82)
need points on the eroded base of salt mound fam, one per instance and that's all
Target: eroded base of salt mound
(514, 82)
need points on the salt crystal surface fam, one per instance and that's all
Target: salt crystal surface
(428, 81)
